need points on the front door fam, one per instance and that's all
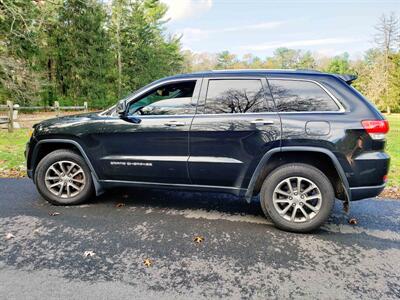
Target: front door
(235, 126)
(152, 144)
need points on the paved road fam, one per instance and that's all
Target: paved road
(242, 256)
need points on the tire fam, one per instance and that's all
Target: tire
(316, 197)
(76, 189)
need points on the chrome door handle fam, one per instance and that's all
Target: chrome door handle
(174, 124)
(262, 122)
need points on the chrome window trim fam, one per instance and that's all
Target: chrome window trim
(338, 103)
(155, 85)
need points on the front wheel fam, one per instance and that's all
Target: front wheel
(63, 178)
(297, 197)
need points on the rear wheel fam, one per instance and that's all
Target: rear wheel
(63, 178)
(298, 197)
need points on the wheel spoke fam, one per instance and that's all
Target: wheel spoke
(61, 188)
(314, 209)
(284, 211)
(304, 213)
(55, 184)
(76, 173)
(62, 167)
(293, 213)
(74, 186)
(283, 201)
(70, 168)
(312, 197)
(309, 189)
(55, 170)
(289, 185)
(279, 191)
(78, 180)
(298, 184)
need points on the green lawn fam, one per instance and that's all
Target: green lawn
(12, 146)
(12, 150)
(393, 148)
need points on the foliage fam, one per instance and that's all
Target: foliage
(75, 51)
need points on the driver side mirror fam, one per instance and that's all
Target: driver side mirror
(121, 107)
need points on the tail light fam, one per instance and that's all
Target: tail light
(377, 129)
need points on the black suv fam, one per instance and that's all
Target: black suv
(299, 139)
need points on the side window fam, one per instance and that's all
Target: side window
(170, 99)
(235, 96)
(297, 95)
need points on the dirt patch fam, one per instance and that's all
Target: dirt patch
(12, 173)
(390, 193)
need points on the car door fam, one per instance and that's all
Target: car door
(234, 127)
(151, 143)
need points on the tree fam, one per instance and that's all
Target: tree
(387, 39)
(226, 60)
(18, 32)
(340, 64)
(144, 52)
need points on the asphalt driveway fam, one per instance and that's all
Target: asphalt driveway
(242, 255)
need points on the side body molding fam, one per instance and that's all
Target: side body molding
(267, 156)
(97, 185)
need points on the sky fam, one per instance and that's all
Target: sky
(325, 27)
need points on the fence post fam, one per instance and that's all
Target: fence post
(57, 108)
(10, 116)
(85, 106)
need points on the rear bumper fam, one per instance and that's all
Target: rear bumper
(363, 192)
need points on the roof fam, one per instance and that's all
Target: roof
(262, 72)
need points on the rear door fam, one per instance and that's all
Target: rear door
(234, 126)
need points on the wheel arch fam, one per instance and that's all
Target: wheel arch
(277, 157)
(44, 147)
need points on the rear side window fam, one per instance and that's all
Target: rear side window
(298, 95)
(235, 96)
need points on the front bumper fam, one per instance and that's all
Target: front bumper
(363, 192)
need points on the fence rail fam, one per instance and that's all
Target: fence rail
(12, 111)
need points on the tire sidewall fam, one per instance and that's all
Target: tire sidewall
(49, 160)
(298, 170)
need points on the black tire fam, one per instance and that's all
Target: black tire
(57, 156)
(307, 172)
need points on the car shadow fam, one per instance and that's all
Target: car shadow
(180, 200)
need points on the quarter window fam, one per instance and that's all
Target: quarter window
(170, 99)
(235, 96)
(297, 95)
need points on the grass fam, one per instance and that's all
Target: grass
(393, 148)
(12, 145)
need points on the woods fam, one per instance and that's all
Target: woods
(73, 51)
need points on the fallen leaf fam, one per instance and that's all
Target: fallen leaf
(119, 205)
(9, 236)
(89, 254)
(147, 262)
(353, 221)
(198, 239)
(54, 214)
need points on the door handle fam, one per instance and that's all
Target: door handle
(174, 124)
(262, 122)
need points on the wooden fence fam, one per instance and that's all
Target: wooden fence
(12, 111)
